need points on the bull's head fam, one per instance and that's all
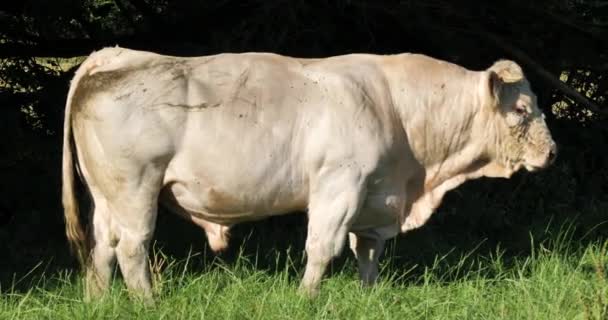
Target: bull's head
(521, 134)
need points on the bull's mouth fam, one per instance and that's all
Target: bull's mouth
(533, 168)
(533, 165)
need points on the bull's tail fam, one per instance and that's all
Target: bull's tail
(73, 227)
(99, 61)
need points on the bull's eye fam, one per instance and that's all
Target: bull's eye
(521, 110)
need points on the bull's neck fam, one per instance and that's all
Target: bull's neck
(445, 129)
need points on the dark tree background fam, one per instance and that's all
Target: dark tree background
(562, 45)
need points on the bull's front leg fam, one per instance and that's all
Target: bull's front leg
(367, 250)
(334, 204)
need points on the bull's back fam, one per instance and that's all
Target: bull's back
(227, 130)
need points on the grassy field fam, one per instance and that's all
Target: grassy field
(555, 281)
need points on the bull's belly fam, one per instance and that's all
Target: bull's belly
(227, 207)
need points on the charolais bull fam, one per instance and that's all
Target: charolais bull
(366, 144)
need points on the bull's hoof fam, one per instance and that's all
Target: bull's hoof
(308, 292)
(94, 290)
(146, 300)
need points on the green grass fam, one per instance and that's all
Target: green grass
(552, 282)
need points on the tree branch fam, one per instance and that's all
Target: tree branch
(63, 48)
(569, 23)
(548, 77)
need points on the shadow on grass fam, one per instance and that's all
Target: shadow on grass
(272, 244)
(277, 244)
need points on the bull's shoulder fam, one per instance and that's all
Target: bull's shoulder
(342, 62)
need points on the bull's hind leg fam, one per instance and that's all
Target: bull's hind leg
(103, 256)
(134, 211)
(333, 207)
(137, 224)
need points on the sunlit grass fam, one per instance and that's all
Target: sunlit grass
(555, 281)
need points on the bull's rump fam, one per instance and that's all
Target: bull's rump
(234, 136)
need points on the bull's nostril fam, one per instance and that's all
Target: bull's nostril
(553, 153)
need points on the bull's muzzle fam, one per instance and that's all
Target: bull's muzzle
(543, 161)
(552, 154)
(550, 157)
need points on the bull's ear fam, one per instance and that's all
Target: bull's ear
(507, 70)
(500, 74)
(494, 86)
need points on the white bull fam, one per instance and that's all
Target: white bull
(367, 144)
